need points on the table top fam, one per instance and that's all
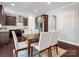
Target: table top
(4, 30)
(30, 36)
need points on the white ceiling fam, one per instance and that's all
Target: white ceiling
(27, 8)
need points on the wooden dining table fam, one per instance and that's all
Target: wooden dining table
(31, 38)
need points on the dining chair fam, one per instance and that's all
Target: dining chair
(19, 46)
(53, 40)
(43, 43)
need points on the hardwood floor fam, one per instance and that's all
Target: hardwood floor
(6, 50)
(72, 51)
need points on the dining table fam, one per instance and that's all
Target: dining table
(31, 38)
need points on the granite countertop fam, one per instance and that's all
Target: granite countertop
(4, 30)
(13, 27)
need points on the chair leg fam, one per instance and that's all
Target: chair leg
(16, 52)
(56, 49)
(31, 51)
(39, 54)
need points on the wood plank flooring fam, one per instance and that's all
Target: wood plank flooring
(6, 50)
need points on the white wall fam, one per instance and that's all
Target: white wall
(67, 27)
(67, 23)
(52, 23)
(76, 21)
(31, 22)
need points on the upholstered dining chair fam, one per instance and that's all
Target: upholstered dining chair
(53, 40)
(19, 45)
(43, 43)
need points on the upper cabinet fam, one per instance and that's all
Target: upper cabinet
(2, 18)
(25, 21)
(1, 10)
(41, 22)
(10, 20)
(45, 18)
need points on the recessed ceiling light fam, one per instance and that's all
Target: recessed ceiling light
(12, 4)
(49, 2)
(36, 11)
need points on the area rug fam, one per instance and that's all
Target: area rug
(61, 51)
(24, 53)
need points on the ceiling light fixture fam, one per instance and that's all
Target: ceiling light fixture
(36, 11)
(49, 2)
(12, 4)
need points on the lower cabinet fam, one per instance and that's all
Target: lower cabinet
(4, 37)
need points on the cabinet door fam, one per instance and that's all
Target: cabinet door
(1, 8)
(4, 37)
(10, 20)
(46, 23)
(45, 17)
(1, 15)
(1, 19)
(36, 22)
(25, 21)
(7, 21)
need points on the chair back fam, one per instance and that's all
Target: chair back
(54, 38)
(44, 40)
(15, 40)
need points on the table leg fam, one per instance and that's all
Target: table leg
(28, 48)
(49, 52)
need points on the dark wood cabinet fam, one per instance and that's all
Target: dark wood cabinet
(45, 17)
(1, 9)
(36, 22)
(10, 20)
(2, 19)
(25, 21)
